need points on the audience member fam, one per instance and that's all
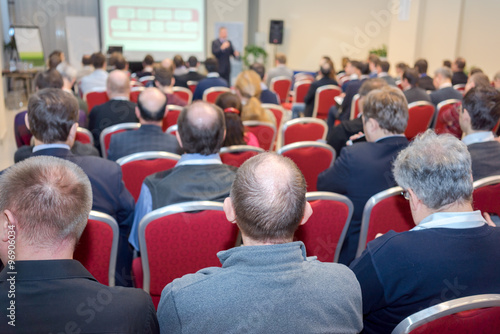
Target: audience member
(412, 92)
(364, 169)
(266, 96)
(150, 111)
(248, 89)
(86, 69)
(451, 253)
(283, 290)
(118, 62)
(477, 79)
(45, 203)
(496, 81)
(180, 66)
(213, 79)
(52, 118)
(425, 82)
(147, 67)
(400, 69)
(165, 81)
(474, 70)
(444, 89)
(280, 69)
(325, 78)
(56, 57)
(97, 79)
(117, 110)
(459, 77)
(192, 74)
(168, 64)
(447, 63)
(223, 50)
(383, 72)
(373, 60)
(68, 74)
(199, 175)
(479, 115)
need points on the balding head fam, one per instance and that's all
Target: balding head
(268, 198)
(151, 105)
(118, 84)
(201, 128)
(168, 64)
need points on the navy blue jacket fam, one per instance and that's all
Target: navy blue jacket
(267, 96)
(311, 94)
(206, 84)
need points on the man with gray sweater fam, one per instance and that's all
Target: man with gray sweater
(268, 285)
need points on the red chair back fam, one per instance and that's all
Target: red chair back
(105, 137)
(265, 133)
(447, 118)
(171, 115)
(304, 129)
(236, 155)
(184, 93)
(355, 107)
(300, 90)
(460, 88)
(486, 195)
(134, 95)
(192, 85)
(98, 246)
(421, 114)
(324, 99)
(84, 136)
(281, 86)
(180, 239)
(311, 157)
(96, 98)
(211, 94)
(324, 232)
(279, 115)
(385, 211)
(136, 167)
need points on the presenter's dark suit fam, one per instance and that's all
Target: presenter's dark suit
(223, 57)
(361, 171)
(415, 94)
(110, 113)
(206, 84)
(485, 159)
(182, 80)
(61, 296)
(147, 138)
(426, 83)
(110, 196)
(311, 94)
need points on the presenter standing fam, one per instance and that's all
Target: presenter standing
(223, 49)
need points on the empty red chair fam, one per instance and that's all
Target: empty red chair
(420, 117)
(311, 157)
(210, 95)
(97, 248)
(236, 155)
(96, 97)
(324, 99)
(105, 137)
(355, 110)
(486, 194)
(192, 85)
(447, 118)
(385, 211)
(304, 129)
(170, 117)
(265, 133)
(181, 239)
(299, 92)
(472, 314)
(134, 93)
(323, 234)
(84, 136)
(281, 86)
(184, 93)
(136, 167)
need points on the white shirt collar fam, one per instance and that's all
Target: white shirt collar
(213, 75)
(455, 220)
(47, 146)
(478, 137)
(199, 159)
(382, 74)
(121, 98)
(446, 84)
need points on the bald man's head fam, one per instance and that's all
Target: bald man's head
(201, 128)
(168, 64)
(118, 84)
(151, 104)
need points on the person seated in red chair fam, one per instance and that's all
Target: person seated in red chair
(96, 79)
(459, 76)
(165, 81)
(45, 204)
(425, 82)
(451, 253)
(266, 95)
(280, 69)
(213, 79)
(412, 92)
(191, 75)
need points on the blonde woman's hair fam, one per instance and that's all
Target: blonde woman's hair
(248, 84)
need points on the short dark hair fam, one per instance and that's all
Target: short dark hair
(474, 70)
(402, 66)
(98, 59)
(87, 60)
(483, 106)
(269, 211)
(211, 64)
(373, 58)
(118, 61)
(446, 63)
(412, 76)
(51, 114)
(234, 125)
(55, 58)
(388, 106)
(421, 65)
(281, 58)
(192, 61)
(49, 79)
(148, 60)
(357, 64)
(163, 76)
(371, 84)
(201, 137)
(460, 63)
(384, 65)
(178, 61)
(259, 69)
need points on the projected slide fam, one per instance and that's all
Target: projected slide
(161, 28)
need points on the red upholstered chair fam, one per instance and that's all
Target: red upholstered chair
(172, 129)
(399, 84)
(147, 80)
(84, 136)
(184, 93)
(385, 211)
(472, 314)
(299, 92)
(460, 88)
(192, 85)
(311, 157)
(134, 93)
(105, 137)
(280, 114)
(304, 129)
(303, 76)
(324, 99)
(324, 232)
(96, 97)
(136, 167)
(487, 194)
(447, 118)
(421, 114)
(97, 248)
(180, 239)
(236, 155)
(265, 133)
(281, 86)
(355, 107)
(171, 115)
(210, 95)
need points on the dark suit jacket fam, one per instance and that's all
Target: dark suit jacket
(485, 159)
(361, 171)
(426, 83)
(146, 138)
(55, 295)
(390, 80)
(24, 152)
(352, 89)
(110, 113)
(459, 78)
(266, 96)
(338, 135)
(109, 195)
(182, 80)
(311, 94)
(206, 84)
(443, 94)
(223, 57)
(415, 94)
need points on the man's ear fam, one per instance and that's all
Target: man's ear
(172, 83)
(308, 211)
(415, 202)
(72, 135)
(178, 136)
(26, 121)
(229, 210)
(137, 112)
(9, 223)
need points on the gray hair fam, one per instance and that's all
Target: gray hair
(445, 72)
(67, 71)
(388, 106)
(437, 169)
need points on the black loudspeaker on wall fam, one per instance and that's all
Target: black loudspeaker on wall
(276, 32)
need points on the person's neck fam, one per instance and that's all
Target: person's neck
(453, 207)
(117, 95)
(380, 133)
(167, 89)
(143, 122)
(55, 251)
(247, 241)
(39, 142)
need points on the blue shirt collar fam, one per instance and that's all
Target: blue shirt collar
(199, 159)
(455, 220)
(478, 137)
